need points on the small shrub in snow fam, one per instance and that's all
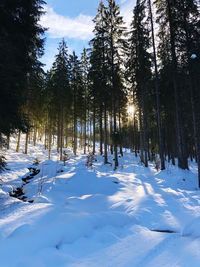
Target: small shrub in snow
(90, 159)
(65, 157)
(2, 163)
(157, 163)
(36, 161)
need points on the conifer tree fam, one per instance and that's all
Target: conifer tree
(86, 93)
(157, 89)
(20, 46)
(99, 74)
(76, 85)
(115, 40)
(61, 92)
(139, 69)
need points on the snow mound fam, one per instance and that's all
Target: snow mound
(98, 217)
(192, 229)
(6, 188)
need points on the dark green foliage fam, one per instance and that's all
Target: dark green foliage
(20, 45)
(139, 70)
(76, 84)
(59, 96)
(61, 91)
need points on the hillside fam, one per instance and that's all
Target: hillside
(94, 216)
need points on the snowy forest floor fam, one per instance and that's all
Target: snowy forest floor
(97, 217)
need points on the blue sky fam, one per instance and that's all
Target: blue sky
(72, 20)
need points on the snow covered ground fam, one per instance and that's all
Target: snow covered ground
(97, 217)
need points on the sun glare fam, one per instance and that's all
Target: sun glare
(131, 109)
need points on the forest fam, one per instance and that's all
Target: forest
(135, 87)
(100, 152)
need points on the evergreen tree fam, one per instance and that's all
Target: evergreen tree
(61, 92)
(157, 89)
(99, 75)
(139, 70)
(76, 85)
(116, 44)
(20, 46)
(86, 93)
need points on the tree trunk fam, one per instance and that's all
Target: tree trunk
(105, 137)
(50, 142)
(159, 124)
(111, 130)
(35, 136)
(94, 130)
(58, 134)
(141, 137)
(18, 142)
(115, 132)
(75, 128)
(26, 143)
(144, 129)
(134, 135)
(8, 141)
(61, 133)
(120, 132)
(45, 138)
(101, 131)
(85, 132)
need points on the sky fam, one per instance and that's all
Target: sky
(72, 20)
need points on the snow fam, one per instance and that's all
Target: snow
(132, 217)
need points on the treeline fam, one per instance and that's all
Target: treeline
(81, 102)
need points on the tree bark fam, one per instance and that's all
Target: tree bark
(101, 131)
(94, 130)
(105, 137)
(61, 133)
(18, 142)
(159, 123)
(26, 143)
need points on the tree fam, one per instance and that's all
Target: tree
(61, 92)
(157, 90)
(76, 85)
(139, 70)
(20, 46)
(99, 75)
(115, 41)
(86, 92)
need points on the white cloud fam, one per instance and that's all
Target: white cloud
(127, 7)
(80, 27)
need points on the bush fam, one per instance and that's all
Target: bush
(36, 161)
(2, 163)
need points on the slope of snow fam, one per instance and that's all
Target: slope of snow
(133, 217)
